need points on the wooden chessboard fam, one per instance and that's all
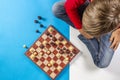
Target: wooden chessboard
(52, 52)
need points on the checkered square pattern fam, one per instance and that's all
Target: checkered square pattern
(52, 52)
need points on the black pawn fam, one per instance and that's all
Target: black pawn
(41, 25)
(37, 31)
(36, 21)
(39, 17)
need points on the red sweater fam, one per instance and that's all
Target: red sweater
(71, 7)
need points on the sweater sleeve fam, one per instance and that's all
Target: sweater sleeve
(71, 7)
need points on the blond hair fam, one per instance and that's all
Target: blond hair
(101, 16)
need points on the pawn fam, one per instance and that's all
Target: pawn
(41, 53)
(39, 17)
(24, 46)
(41, 25)
(36, 21)
(66, 59)
(48, 52)
(49, 65)
(51, 62)
(59, 68)
(37, 31)
(58, 55)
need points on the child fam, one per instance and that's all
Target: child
(98, 22)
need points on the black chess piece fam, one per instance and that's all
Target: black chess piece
(36, 21)
(37, 31)
(41, 25)
(39, 17)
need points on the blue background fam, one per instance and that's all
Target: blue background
(17, 28)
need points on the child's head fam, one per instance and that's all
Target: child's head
(101, 16)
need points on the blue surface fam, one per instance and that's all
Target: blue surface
(17, 28)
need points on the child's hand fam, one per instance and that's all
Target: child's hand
(86, 35)
(115, 39)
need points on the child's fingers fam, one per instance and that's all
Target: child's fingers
(116, 46)
(111, 38)
(113, 44)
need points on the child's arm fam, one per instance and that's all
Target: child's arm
(115, 39)
(71, 7)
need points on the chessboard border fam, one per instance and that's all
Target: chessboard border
(64, 38)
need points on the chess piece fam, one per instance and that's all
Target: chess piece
(54, 39)
(59, 68)
(49, 65)
(32, 56)
(39, 17)
(74, 51)
(35, 53)
(47, 33)
(71, 54)
(41, 25)
(67, 51)
(66, 58)
(64, 48)
(24, 46)
(61, 51)
(41, 53)
(50, 35)
(41, 46)
(36, 21)
(58, 55)
(37, 31)
(48, 52)
(51, 62)
(61, 39)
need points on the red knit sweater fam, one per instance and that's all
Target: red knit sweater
(71, 7)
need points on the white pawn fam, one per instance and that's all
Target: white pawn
(24, 46)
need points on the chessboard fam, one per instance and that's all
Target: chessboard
(52, 52)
